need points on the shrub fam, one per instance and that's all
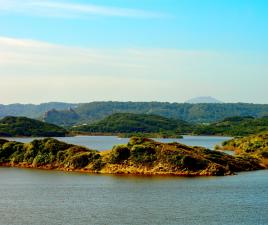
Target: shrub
(42, 159)
(98, 165)
(119, 154)
(143, 154)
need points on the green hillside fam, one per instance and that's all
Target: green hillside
(23, 126)
(234, 126)
(193, 113)
(136, 123)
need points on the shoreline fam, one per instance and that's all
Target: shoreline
(145, 173)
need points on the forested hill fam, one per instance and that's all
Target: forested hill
(135, 123)
(194, 113)
(234, 126)
(22, 126)
(68, 114)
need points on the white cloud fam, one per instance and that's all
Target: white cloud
(70, 9)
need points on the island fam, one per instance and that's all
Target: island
(11, 126)
(255, 146)
(131, 124)
(141, 156)
(234, 126)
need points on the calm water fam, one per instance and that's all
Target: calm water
(107, 142)
(34, 197)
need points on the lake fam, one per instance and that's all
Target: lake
(36, 197)
(107, 142)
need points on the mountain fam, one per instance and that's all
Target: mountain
(22, 126)
(234, 126)
(136, 123)
(203, 99)
(88, 113)
(31, 110)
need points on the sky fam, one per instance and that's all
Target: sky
(133, 50)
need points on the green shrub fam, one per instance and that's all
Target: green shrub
(119, 154)
(42, 159)
(98, 164)
(8, 149)
(143, 154)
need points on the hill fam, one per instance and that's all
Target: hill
(139, 156)
(23, 126)
(234, 126)
(129, 123)
(203, 99)
(193, 113)
(31, 110)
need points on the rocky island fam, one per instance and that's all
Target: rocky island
(141, 156)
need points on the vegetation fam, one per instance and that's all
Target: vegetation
(131, 124)
(193, 113)
(60, 113)
(139, 156)
(234, 126)
(254, 146)
(22, 126)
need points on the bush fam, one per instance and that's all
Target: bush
(8, 149)
(42, 159)
(98, 165)
(119, 154)
(79, 161)
(143, 154)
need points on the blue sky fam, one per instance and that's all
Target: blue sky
(168, 50)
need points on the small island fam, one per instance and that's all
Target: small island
(255, 146)
(11, 126)
(234, 126)
(131, 124)
(141, 156)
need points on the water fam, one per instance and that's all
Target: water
(36, 197)
(107, 142)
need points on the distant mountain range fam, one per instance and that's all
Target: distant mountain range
(203, 99)
(68, 114)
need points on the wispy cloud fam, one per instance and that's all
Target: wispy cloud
(70, 9)
(56, 72)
